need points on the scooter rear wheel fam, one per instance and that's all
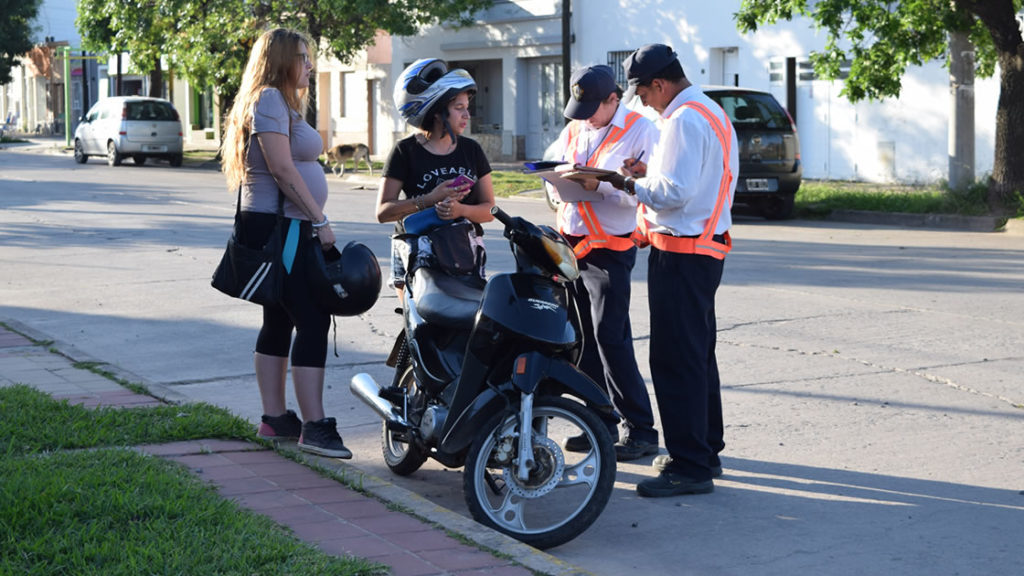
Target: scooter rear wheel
(565, 491)
(403, 458)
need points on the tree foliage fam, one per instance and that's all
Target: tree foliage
(208, 41)
(882, 38)
(15, 33)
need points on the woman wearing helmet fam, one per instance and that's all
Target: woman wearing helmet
(421, 170)
(270, 150)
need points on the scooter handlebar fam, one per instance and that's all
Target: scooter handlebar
(501, 216)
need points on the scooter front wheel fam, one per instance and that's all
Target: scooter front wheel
(564, 493)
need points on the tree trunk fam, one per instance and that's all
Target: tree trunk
(156, 81)
(1007, 181)
(1008, 168)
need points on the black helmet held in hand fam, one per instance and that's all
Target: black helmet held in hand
(346, 283)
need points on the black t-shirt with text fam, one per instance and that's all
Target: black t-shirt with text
(420, 171)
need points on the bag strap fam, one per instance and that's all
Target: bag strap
(280, 202)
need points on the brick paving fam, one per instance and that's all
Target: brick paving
(317, 509)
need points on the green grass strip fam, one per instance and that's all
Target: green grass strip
(110, 511)
(819, 197)
(509, 183)
(31, 421)
(115, 512)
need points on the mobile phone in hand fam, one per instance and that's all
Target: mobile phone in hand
(463, 180)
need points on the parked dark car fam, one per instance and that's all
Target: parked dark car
(770, 169)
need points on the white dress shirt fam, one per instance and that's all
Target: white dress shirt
(685, 170)
(617, 210)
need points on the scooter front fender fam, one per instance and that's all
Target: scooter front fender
(469, 423)
(533, 370)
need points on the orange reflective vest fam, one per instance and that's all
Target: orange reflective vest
(596, 237)
(704, 244)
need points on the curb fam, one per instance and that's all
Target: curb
(75, 355)
(412, 503)
(1014, 226)
(940, 221)
(409, 502)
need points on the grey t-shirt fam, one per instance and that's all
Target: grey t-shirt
(259, 192)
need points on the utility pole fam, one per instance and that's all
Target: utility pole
(85, 84)
(566, 49)
(961, 121)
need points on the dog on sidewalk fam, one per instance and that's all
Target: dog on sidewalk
(338, 155)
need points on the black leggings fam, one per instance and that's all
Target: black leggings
(297, 311)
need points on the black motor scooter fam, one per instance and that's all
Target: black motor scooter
(473, 366)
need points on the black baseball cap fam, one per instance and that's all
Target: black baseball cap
(644, 64)
(587, 89)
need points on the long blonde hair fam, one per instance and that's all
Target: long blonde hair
(271, 64)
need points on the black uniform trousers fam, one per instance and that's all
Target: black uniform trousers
(681, 289)
(602, 295)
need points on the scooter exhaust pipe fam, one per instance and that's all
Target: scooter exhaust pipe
(367, 390)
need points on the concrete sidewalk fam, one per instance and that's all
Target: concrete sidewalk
(306, 497)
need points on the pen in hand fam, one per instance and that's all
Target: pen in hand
(631, 166)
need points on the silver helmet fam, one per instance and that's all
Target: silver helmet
(425, 86)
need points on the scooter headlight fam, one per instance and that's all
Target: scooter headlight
(562, 256)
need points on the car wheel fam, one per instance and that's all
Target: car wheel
(139, 159)
(552, 199)
(779, 207)
(80, 156)
(113, 156)
(176, 160)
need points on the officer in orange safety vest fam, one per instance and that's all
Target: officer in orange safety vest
(685, 191)
(602, 134)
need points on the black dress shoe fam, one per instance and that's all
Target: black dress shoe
(580, 443)
(663, 460)
(630, 449)
(672, 484)
(577, 444)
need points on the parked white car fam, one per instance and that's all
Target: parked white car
(133, 126)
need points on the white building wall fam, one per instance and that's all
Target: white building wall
(902, 139)
(510, 38)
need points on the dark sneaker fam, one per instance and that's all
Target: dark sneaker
(286, 426)
(321, 437)
(662, 461)
(577, 444)
(630, 449)
(672, 484)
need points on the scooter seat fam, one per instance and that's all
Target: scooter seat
(443, 299)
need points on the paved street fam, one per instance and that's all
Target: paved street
(874, 402)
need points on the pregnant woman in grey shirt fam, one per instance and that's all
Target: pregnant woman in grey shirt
(268, 150)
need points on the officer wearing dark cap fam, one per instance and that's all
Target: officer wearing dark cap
(685, 191)
(604, 134)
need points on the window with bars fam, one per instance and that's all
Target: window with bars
(615, 60)
(806, 71)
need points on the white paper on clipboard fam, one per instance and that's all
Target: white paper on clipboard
(571, 190)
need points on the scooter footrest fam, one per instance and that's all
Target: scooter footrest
(397, 427)
(393, 394)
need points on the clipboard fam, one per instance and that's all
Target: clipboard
(569, 190)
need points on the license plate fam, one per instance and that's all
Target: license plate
(758, 184)
(154, 148)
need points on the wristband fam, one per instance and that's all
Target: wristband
(320, 224)
(629, 185)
